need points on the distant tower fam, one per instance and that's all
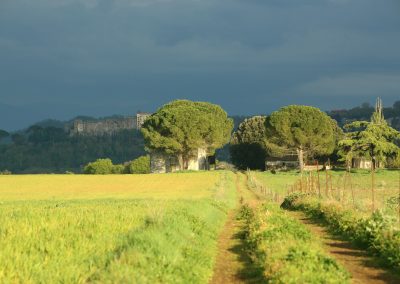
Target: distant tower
(377, 116)
(141, 118)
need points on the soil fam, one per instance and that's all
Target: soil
(232, 263)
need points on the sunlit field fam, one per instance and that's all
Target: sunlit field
(352, 190)
(48, 187)
(112, 229)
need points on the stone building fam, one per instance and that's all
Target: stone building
(283, 163)
(361, 163)
(108, 126)
(164, 163)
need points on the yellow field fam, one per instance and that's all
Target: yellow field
(170, 186)
(113, 228)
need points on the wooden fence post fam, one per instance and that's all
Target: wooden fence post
(373, 185)
(319, 184)
(326, 181)
(352, 190)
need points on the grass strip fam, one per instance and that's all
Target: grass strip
(378, 233)
(284, 250)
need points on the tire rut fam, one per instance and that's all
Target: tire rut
(363, 267)
(232, 263)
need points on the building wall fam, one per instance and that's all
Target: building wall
(157, 163)
(108, 126)
(361, 163)
(141, 118)
(164, 163)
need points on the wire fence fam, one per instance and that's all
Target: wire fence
(261, 189)
(363, 191)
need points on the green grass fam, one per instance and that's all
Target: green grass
(285, 250)
(379, 232)
(352, 192)
(278, 182)
(66, 237)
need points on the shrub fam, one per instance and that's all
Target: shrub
(377, 233)
(5, 172)
(118, 169)
(99, 167)
(140, 165)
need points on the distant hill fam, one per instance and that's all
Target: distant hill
(364, 112)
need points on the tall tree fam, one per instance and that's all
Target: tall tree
(182, 127)
(304, 129)
(374, 139)
(247, 145)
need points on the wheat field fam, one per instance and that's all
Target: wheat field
(119, 229)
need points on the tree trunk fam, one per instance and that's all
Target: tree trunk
(181, 162)
(300, 154)
(185, 162)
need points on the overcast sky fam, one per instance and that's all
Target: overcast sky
(62, 58)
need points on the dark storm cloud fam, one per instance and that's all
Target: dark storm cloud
(60, 58)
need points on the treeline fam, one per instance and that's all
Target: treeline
(52, 150)
(308, 135)
(364, 112)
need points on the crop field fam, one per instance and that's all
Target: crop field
(66, 187)
(112, 229)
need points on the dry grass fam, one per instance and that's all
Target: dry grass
(67, 187)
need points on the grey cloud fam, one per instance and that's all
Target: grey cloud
(361, 85)
(251, 56)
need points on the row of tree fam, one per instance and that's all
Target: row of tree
(52, 150)
(181, 127)
(312, 134)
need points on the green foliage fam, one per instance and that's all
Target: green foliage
(118, 169)
(181, 127)
(99, 167)
(363, 112)
(304, 129)
(5, 172)
(140, 165)
(44, 152)
(378, 232)
(247, 144)
(374, 140)
(285, 250)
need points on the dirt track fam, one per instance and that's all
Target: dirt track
(234, 266)
(362, 267)
(232, 263)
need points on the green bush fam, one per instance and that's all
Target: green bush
(5, 172)
(377, 233)
(99, 167)
(140, 165)
(118, 169)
